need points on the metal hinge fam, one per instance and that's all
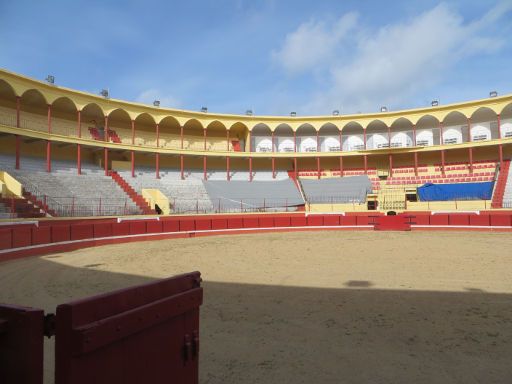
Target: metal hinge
(49, 325)
(191, 346)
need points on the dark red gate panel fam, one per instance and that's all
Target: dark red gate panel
(143, 334)
(21, 345)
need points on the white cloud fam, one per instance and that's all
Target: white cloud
(387, 66)
(313, 43)
(150, 95)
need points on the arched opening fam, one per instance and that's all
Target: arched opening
(283, 138)
(455, 128)
(64, 117)
(261, 138)
(120, 126)
(145, 130)
(7, 104)
(239, 133)
(329, 135)
(352, 137)
(377, 135)
(401, 133)
(93, 121)
(217, 139)
(34, 111)
(193, 132)
(506, 121)
(427, 131)
(170, 133)
(484, 125)
(307, 139)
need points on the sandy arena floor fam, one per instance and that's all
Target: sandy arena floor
(315, 307)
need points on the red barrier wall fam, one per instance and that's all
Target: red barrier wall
(60, 233)
(154, 226)
(82, 231)
(41, 235)
(103, 230)
(458, 219)
(219, 223)
(5, 238)
(501, 220)
(110, 231)
(121, 229)
(439, 220)
(480, 220)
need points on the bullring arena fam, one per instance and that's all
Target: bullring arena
(347, 248)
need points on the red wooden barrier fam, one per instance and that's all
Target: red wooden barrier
(203, 225)
(235, 222)
(60, 233)
(332, 220)
(137, 227)
(441, 219)
(348, 220)
(282, 221)
(21, 345)
(103, 230)
(249, 222)
(5, 238)
(266, 222)
(392, 223)
(220, 223)
(171, 226)
(82, 231)
(154, 226)
(484, 220)
(187, 225)
(315, 220)
(298, 221)
(500, 220)
(459, 219)
(121, 229)
(143, 334)
(41, 235)
(22, 236)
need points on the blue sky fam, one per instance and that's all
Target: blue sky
(270, 56)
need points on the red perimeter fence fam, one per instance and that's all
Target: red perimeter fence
(143, 334)
(46, 236)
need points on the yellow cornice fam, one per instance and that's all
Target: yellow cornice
(21, 84)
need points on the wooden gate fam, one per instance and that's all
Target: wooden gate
(143, 334)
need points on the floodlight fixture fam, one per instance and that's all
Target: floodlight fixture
(50, 79)
(493, 94)
(104, 93)
(336, 112)
(156, 103)
(248, 112)
(434, 103)
(383, 109)
(293, 114)
(204, 109)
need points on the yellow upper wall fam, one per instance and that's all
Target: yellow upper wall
(21, 84)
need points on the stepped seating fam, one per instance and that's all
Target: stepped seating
(245, 196)
(18, 207)
(5, 212)
(185, 196)
(502, 197)
(483, 171)
(65, 193)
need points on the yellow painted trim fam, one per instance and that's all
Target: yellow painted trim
(21, 84)
(10, 186)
